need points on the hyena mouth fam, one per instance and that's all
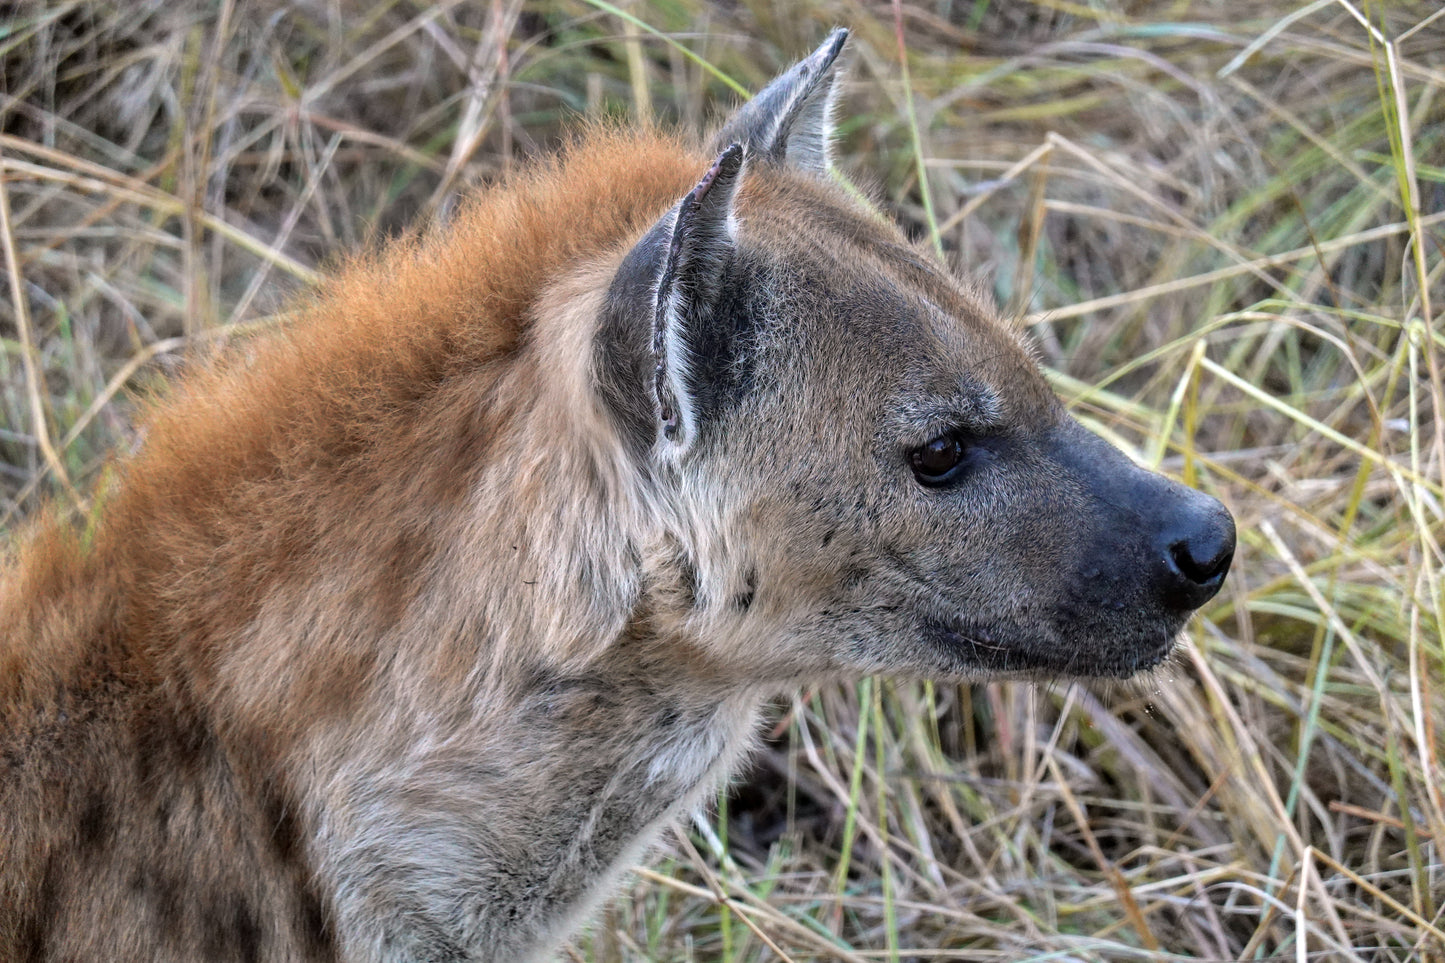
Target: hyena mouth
(979, 648)
(988, 650)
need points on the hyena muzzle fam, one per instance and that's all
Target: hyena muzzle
(400, 637)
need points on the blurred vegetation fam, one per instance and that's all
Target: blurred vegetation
(1225, 223)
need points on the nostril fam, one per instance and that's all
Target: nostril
(1199, 561)
(1202, 559)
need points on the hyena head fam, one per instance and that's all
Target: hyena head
(862, 468)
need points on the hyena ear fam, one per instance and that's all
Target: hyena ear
(701, 248)
(789, 121)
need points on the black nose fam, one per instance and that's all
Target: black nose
(1200, 546)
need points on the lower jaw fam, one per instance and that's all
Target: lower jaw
(992, 658)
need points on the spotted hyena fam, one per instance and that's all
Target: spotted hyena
(402, 635)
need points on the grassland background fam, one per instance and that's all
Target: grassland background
(1225, 221)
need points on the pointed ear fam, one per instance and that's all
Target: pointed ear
(688, 289)
(789, 120)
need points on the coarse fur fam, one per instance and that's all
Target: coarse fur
(406, 628)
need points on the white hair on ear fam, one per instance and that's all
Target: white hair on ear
(704, 231)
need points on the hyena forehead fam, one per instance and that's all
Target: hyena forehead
(864, 309)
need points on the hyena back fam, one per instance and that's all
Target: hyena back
(400, 637)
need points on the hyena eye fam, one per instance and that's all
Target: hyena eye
(940, 460)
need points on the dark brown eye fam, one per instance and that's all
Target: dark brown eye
(937, 462)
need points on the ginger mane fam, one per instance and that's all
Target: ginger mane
(382, 391)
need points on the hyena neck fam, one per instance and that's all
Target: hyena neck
(491, 836)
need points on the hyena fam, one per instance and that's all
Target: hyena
(401, 635)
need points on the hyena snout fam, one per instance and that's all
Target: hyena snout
(1182, 539)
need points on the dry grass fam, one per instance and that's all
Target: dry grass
(1227, 221)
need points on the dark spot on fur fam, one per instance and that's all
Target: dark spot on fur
(587, 579)
(744, 599)
(542, 690)
(688, 573)
(93, 828)
(163, 893)
(828, 536)
(461, 447)
(247, 932)
(559, 699)
(148, 744)
(31, 939)
(280, 820)
(230, 930)
(170, 744)
(193, 746)
(390, 591)
(163, 817)
(313, 926)
(310, 923)
(536, 677)
(34, 936)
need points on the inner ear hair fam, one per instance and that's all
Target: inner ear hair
(702, 242)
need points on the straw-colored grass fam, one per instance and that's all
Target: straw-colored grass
(1227, 223)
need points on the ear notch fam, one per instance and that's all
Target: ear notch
(789, 121)
(702, 245)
